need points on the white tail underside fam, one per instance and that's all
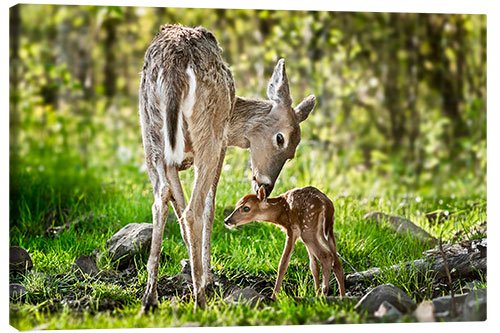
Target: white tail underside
(176, 155)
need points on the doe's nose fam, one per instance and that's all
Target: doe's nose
(268, 188)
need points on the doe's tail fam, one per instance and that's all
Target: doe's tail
(175, 96)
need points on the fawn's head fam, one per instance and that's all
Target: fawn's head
(250, 208)
(277, 135)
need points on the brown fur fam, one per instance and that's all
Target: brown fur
(304, 213)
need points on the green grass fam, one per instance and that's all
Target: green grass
(118, 198)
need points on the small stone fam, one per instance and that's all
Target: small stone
(425, 312)
(474, 308)
(387, 311)
(336, 319)
(17, 292)
(442, 305)
(247, 295)
(401, 225)
(181, 278)
(132, 239)
(186, 266)
(470, 286)
(86, 265)
(19, 259)
(386, 292)
(192, 324)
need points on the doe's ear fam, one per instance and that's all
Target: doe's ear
(261, 194)
(305, 107)
(277, 89)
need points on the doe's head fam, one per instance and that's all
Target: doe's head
(276, 138)
(250, 208)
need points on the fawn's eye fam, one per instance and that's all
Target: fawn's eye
(280, 140)
(246, 209)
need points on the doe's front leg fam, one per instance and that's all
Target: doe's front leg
(198, 219)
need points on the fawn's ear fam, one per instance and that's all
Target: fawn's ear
(261, 194)
(277, 89)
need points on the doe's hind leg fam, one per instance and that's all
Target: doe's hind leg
(162, 194)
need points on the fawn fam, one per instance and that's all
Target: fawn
(189, 115)
(304, 213)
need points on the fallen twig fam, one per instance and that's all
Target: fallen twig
(347, 262)
(464, 263)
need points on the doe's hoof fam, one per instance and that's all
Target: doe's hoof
(149, 303)
(147, 308)
(200, 302)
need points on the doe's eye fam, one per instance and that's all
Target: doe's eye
(246, 209)
(280, 140)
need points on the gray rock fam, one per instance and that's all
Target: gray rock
(401, 225)
(425, 312)
(470, 286)
(19, 259)
(387, 311)
(389, 293)
(474, 308)
(327, 299)
(186, 266)
(132, 239)
(442, 305)
(86, 265)
(181, 279)
(186, 271)
(247, 295)
(17, 292)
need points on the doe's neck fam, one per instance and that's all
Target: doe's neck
(248, 113)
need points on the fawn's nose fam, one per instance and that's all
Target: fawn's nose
(228, 223)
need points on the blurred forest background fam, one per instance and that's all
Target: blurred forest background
(401, 97)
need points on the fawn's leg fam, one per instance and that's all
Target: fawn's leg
(325, 259)
(337, 265)
(285, 259)
(161, 190)
(313, 265)
(339, 273)
(332, 246)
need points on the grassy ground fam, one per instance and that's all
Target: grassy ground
(65, 192)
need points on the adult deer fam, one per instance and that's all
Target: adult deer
(304, 213)
(189, 115)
